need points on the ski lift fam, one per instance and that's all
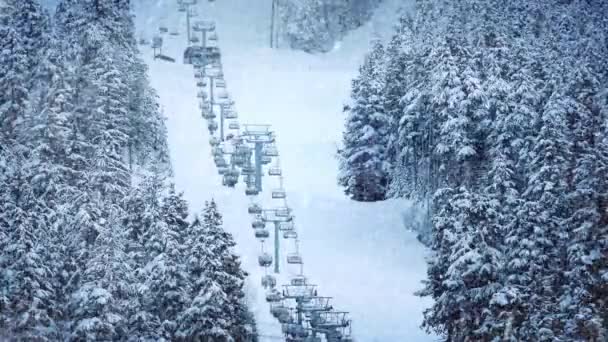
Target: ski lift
(174, 32)
(262, 233)
(278, 194)
(233, 125)
(266, 160)
(230, 180)
(220, 83)
(271, 151)
(212, 126)
(258, 223)
(290, 234)
(265, 260)
(217, 151)
(248, 170)
(254, 208)
(298, 280)
(282, 212)
(251, 191)
(231, 114)
(295, 330)
(214, 141)
(199, 74)
(273, 296)
(274, 171)
(208, 115)
(220, 162)
(294, 259)
(163, 29)
(222, 170)
(286, 226)
(238, 159)
(222, 95)
(269, 281)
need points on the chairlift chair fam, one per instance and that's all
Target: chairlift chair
(231, 114)
(278, 194)
(266, 160)
(220, 83)
(194, 40)
(201, 94)
(258, 223)
(282, 212)
(182, 8)
(238, 159)
(248, 170)
(294, 259)
(298, 280)
(286, 226)
(254, 208)
(262, 233)
(251, 191)
(220, 162)
(208, 114)
(214, 141)
(217, 151)
(273, 296)
(213, 37)
(212, 126)
(269, 281)
(222, 95)
(174, 32)
(222, 170)
(265, 260)
(271, 151)
(199, 74)
(274, 171)
(290, 234)
(233, 125)
(163, 29)
(230, 180)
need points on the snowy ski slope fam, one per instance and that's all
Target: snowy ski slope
(358, 253)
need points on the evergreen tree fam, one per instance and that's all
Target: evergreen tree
(364, 169)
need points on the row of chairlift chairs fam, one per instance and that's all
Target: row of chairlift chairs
(312, 315)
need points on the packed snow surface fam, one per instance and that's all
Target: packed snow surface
(358, 253)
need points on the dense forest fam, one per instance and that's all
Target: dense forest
(493, 116)
(95, 242)
(316, 25)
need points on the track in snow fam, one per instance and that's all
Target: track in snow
(359, 253)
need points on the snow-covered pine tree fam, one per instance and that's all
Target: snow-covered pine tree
(364, 168)
(100, 304)
(217, 310)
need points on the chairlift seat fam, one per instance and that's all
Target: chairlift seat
(290, 234)
(234, 125)
(274, 171)
(294, 259)
(262, 233)
(250, 191)
(269, 281)
(254, 209)
(286, 226)
(214, 141)
(222, 170)
(258, 223)
(273, 296)
(231, 114)
(265, 260)
(278, 194)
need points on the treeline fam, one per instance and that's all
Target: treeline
(95, 245)
(493, 115)
(316, 25)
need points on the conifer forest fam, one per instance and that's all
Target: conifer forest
(304, 170)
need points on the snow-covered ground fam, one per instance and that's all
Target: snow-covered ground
(358, 253)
